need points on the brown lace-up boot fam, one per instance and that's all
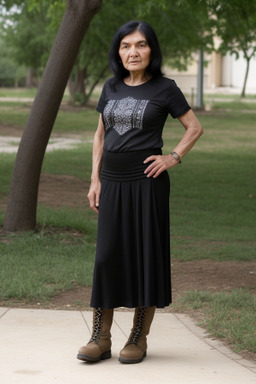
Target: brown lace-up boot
(135, 349)
(99, 345)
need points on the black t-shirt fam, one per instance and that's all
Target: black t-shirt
(134, 116)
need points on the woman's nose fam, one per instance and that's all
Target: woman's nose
(133, 51)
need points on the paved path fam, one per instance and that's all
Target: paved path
(9, 144)
(40, 346)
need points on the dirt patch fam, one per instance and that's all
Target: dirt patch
(189, 275)
(57, 191)
(10, 130)
(201, 275)
(213, 276)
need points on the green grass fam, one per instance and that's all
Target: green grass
(228, 96)
(81, 220)
(77, 121)
(18, 92)
(229, 316)
(212, 208)
(83, 121)
(35, 266)
(75, 162)
(213, 191)
(234, 105)
(6, 166)
(15, 114)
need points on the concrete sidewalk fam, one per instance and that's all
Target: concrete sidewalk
(40, 347)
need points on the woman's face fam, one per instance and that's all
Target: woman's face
(135, 52)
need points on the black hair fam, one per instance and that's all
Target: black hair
(115, 63)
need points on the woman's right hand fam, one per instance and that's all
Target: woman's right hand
(95, 187)
(94, 195)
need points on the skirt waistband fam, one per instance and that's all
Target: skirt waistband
(126, 166)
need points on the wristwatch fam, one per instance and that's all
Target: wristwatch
(176, 156)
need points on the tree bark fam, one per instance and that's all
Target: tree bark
(22, 203)
(29, 78)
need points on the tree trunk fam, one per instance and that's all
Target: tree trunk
(31, 79)
(21, 208)
(71, 90)
(81, 75)
(246, 76)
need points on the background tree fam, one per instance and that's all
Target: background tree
(26, 31)
(21, 208)
(235, 23)
(168, 19)
(183, 27)
(10, 72)
(11, 75)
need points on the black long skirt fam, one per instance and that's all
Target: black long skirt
(132, 263)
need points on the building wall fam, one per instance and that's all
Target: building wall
(218, 72)
(234, 72)
(215, 70)
(187, 80)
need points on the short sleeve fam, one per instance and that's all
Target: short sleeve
(102, 100)
(177, 104)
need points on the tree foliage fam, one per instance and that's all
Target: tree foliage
(235, 23)
(181, 30)
(182, 27)
(30, 46)
(10, 74)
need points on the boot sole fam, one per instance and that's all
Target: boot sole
(132, 361)
(103, 356)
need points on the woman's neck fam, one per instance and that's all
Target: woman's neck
(137, 78)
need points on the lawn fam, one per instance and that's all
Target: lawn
(213, 214)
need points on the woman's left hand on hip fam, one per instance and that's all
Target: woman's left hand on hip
(159, 164)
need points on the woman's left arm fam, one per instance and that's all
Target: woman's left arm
(161, 163)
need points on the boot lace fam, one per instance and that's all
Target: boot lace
(137, 330)
(97, 327)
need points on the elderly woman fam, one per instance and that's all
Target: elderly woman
(130, 190)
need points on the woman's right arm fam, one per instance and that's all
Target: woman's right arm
(95, 187)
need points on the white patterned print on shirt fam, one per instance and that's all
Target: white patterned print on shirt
(124, 114)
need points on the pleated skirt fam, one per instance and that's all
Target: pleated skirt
(132, 262)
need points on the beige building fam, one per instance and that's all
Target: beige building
(219, 71)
